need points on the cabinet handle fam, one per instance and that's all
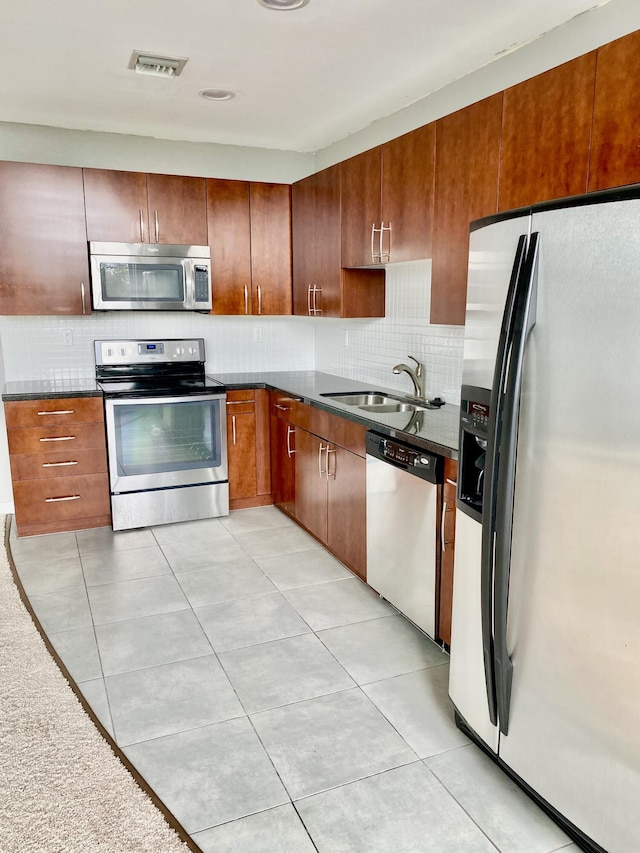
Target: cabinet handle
(373, 233)
(443, 544)
(384, 256)
(141, 226)
(58, 412)
(57, 464)
(321, 473)
(335, 470)
(155, 213)
(84, 309)
(290, 431)
(239, 402)
(282, 408)
(65, 498)
(451, 482)
(246, 299)
(316, 290)
(309, 308)
(259, 299)
(59, 438)
(233, 428)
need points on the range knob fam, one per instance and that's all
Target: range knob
(192, 351)
(179, 350)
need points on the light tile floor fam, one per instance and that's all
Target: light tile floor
(271, 699)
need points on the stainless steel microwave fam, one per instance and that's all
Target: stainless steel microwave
(150, 277)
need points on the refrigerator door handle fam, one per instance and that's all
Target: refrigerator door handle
(505, 341)
(524, 321)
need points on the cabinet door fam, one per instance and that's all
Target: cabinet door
(116, 206)
(305, 243)
(361, 199)
(241, 443)
(466, 188)
(328, 273)
(408, 164)
(228, 221)
(615, 148)
(447, 544)
(177, 210)
(283, 464)
(271, 248)
(346, 521)
(311, 483)
(43, 241)
(546, 134)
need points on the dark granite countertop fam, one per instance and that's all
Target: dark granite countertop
(41, 389)
(434, 430)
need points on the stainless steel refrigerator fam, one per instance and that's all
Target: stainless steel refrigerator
(545, 647)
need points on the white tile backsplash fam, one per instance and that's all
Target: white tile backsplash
(33, 347)
(364, 350)
(367, 350)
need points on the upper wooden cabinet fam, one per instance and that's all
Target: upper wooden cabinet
(250, 238)
(387, 201)
(43, 243)
(546, 133)
(615, 147)
(408, 174)
(132, 207)
(321, 288)
(466, 188)
(270, 248)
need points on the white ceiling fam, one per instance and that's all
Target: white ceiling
(303, 79)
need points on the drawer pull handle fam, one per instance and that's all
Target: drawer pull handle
(59, 438)
(282, 408)
(58, 412)
(65, 498)
(239, 402)
(57, 464)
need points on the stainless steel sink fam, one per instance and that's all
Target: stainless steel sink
(369, 401)
(362, 398)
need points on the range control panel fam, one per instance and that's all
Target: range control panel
(149, 351)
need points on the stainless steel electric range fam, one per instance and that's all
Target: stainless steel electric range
(166, 432)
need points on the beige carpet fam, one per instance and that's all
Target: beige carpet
(62, 789)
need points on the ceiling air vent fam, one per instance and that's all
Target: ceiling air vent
(157, 66)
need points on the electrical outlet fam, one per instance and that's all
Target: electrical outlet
(67, 337)
(345, 338)
(257, 334)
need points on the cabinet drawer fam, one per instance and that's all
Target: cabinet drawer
(345, 434)
(62, 498)
(54, 439)
(281, 405)
(59, 463)
(241, 402)
(46, 413)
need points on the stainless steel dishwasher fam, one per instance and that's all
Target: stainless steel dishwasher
(402, 496)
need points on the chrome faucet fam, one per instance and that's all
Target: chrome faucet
(416, 376)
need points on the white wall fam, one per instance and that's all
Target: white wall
(29, 143)
(585, 32)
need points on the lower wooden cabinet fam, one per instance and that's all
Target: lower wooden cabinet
(283, 462)
(248, 448)
(447, 542)
(58, 464)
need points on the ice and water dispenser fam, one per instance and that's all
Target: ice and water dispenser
(472, 454)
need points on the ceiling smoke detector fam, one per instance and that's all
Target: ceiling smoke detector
(143, 62)
(283, 5)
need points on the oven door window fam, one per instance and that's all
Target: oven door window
(142, 282)
(166, 442)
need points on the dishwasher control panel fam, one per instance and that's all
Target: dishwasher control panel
(428, 466)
